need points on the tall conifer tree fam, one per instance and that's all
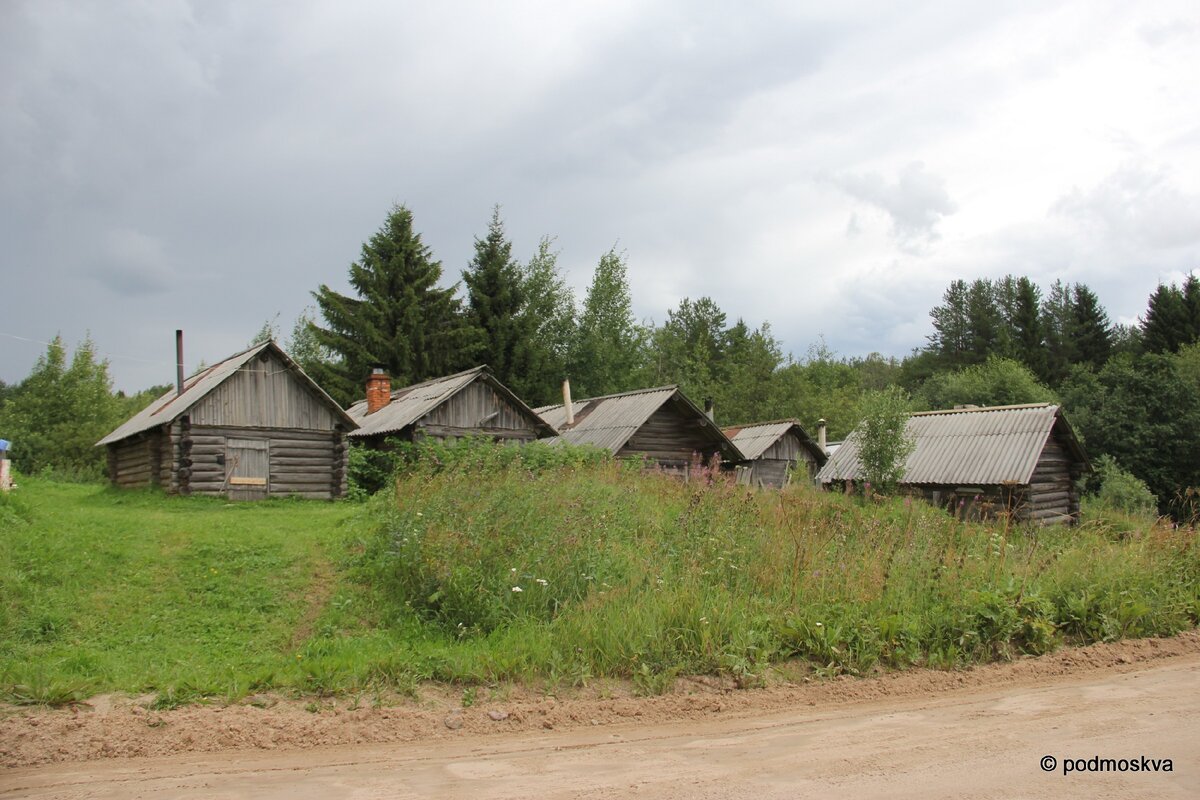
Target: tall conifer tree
(398, 317)
(495, 302)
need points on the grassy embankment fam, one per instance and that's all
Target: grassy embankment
(483, 577)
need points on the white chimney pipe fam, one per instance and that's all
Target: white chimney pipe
(821, 436)
(567, 402)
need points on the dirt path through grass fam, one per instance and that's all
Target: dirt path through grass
(918, 734)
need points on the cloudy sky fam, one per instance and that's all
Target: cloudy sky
(827, 167)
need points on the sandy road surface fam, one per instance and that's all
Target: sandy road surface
(977, 741)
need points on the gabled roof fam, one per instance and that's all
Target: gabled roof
(171, 405)
(756, 438)
(612, 420)
(413, 402)
(969, 446)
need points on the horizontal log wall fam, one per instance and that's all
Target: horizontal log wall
(135, 462)
(302, 463)
(1053, 496)
(766, 473)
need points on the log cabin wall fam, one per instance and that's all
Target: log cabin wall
(1053, 493)
(309, 464)
(264, 401)
(765, 473)
(136, 462)
(670, 437)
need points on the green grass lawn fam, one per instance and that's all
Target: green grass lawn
(551, 576)
(102, 589)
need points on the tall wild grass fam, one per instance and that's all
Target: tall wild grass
(604, 570)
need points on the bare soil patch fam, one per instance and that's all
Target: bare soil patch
(112, 727)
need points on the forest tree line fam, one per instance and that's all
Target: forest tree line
(1129, 391)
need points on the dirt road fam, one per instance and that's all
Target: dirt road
(984, 736)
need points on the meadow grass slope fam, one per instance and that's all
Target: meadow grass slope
(486, 574)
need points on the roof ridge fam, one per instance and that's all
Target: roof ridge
(745, 425)
(439, 379)
(976, 409)
(671, 386)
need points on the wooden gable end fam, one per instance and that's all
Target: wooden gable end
(670, 436)
(478, 410)
(789, 448)
(264, 393)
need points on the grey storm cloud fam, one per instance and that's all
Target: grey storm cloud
(206, 165)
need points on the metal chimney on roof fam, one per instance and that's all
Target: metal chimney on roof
(567, 401)
(709, 409)
(821, 436)
(178, 362)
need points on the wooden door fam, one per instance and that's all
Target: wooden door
(247, 468)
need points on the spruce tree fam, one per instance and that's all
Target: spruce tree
(1029, 346)
(495, 302)
(1056, 328)
(1091, 330)
(1165, 326)
(398, 318)
(951, 331)
(984, 322)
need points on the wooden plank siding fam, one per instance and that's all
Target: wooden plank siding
(264, 393)
(669, 437)
(477, 410)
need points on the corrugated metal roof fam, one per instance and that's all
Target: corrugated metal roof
(985, 446)
(754, 439)
(610, 421)
(171, 405)
(413, 402)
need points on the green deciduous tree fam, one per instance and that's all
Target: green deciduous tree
(883, 442)
(996, 382)
(398, 318)
(1145, 413)
(550, 320)
(57, 414)
(609, 347)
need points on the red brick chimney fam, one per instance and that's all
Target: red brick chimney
(379, 390)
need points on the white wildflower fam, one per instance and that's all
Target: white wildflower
(518, 589)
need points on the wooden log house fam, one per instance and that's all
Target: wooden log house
(470, 403)
(661, 425)
(977, 462)
(252, 426)
(777, 453)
